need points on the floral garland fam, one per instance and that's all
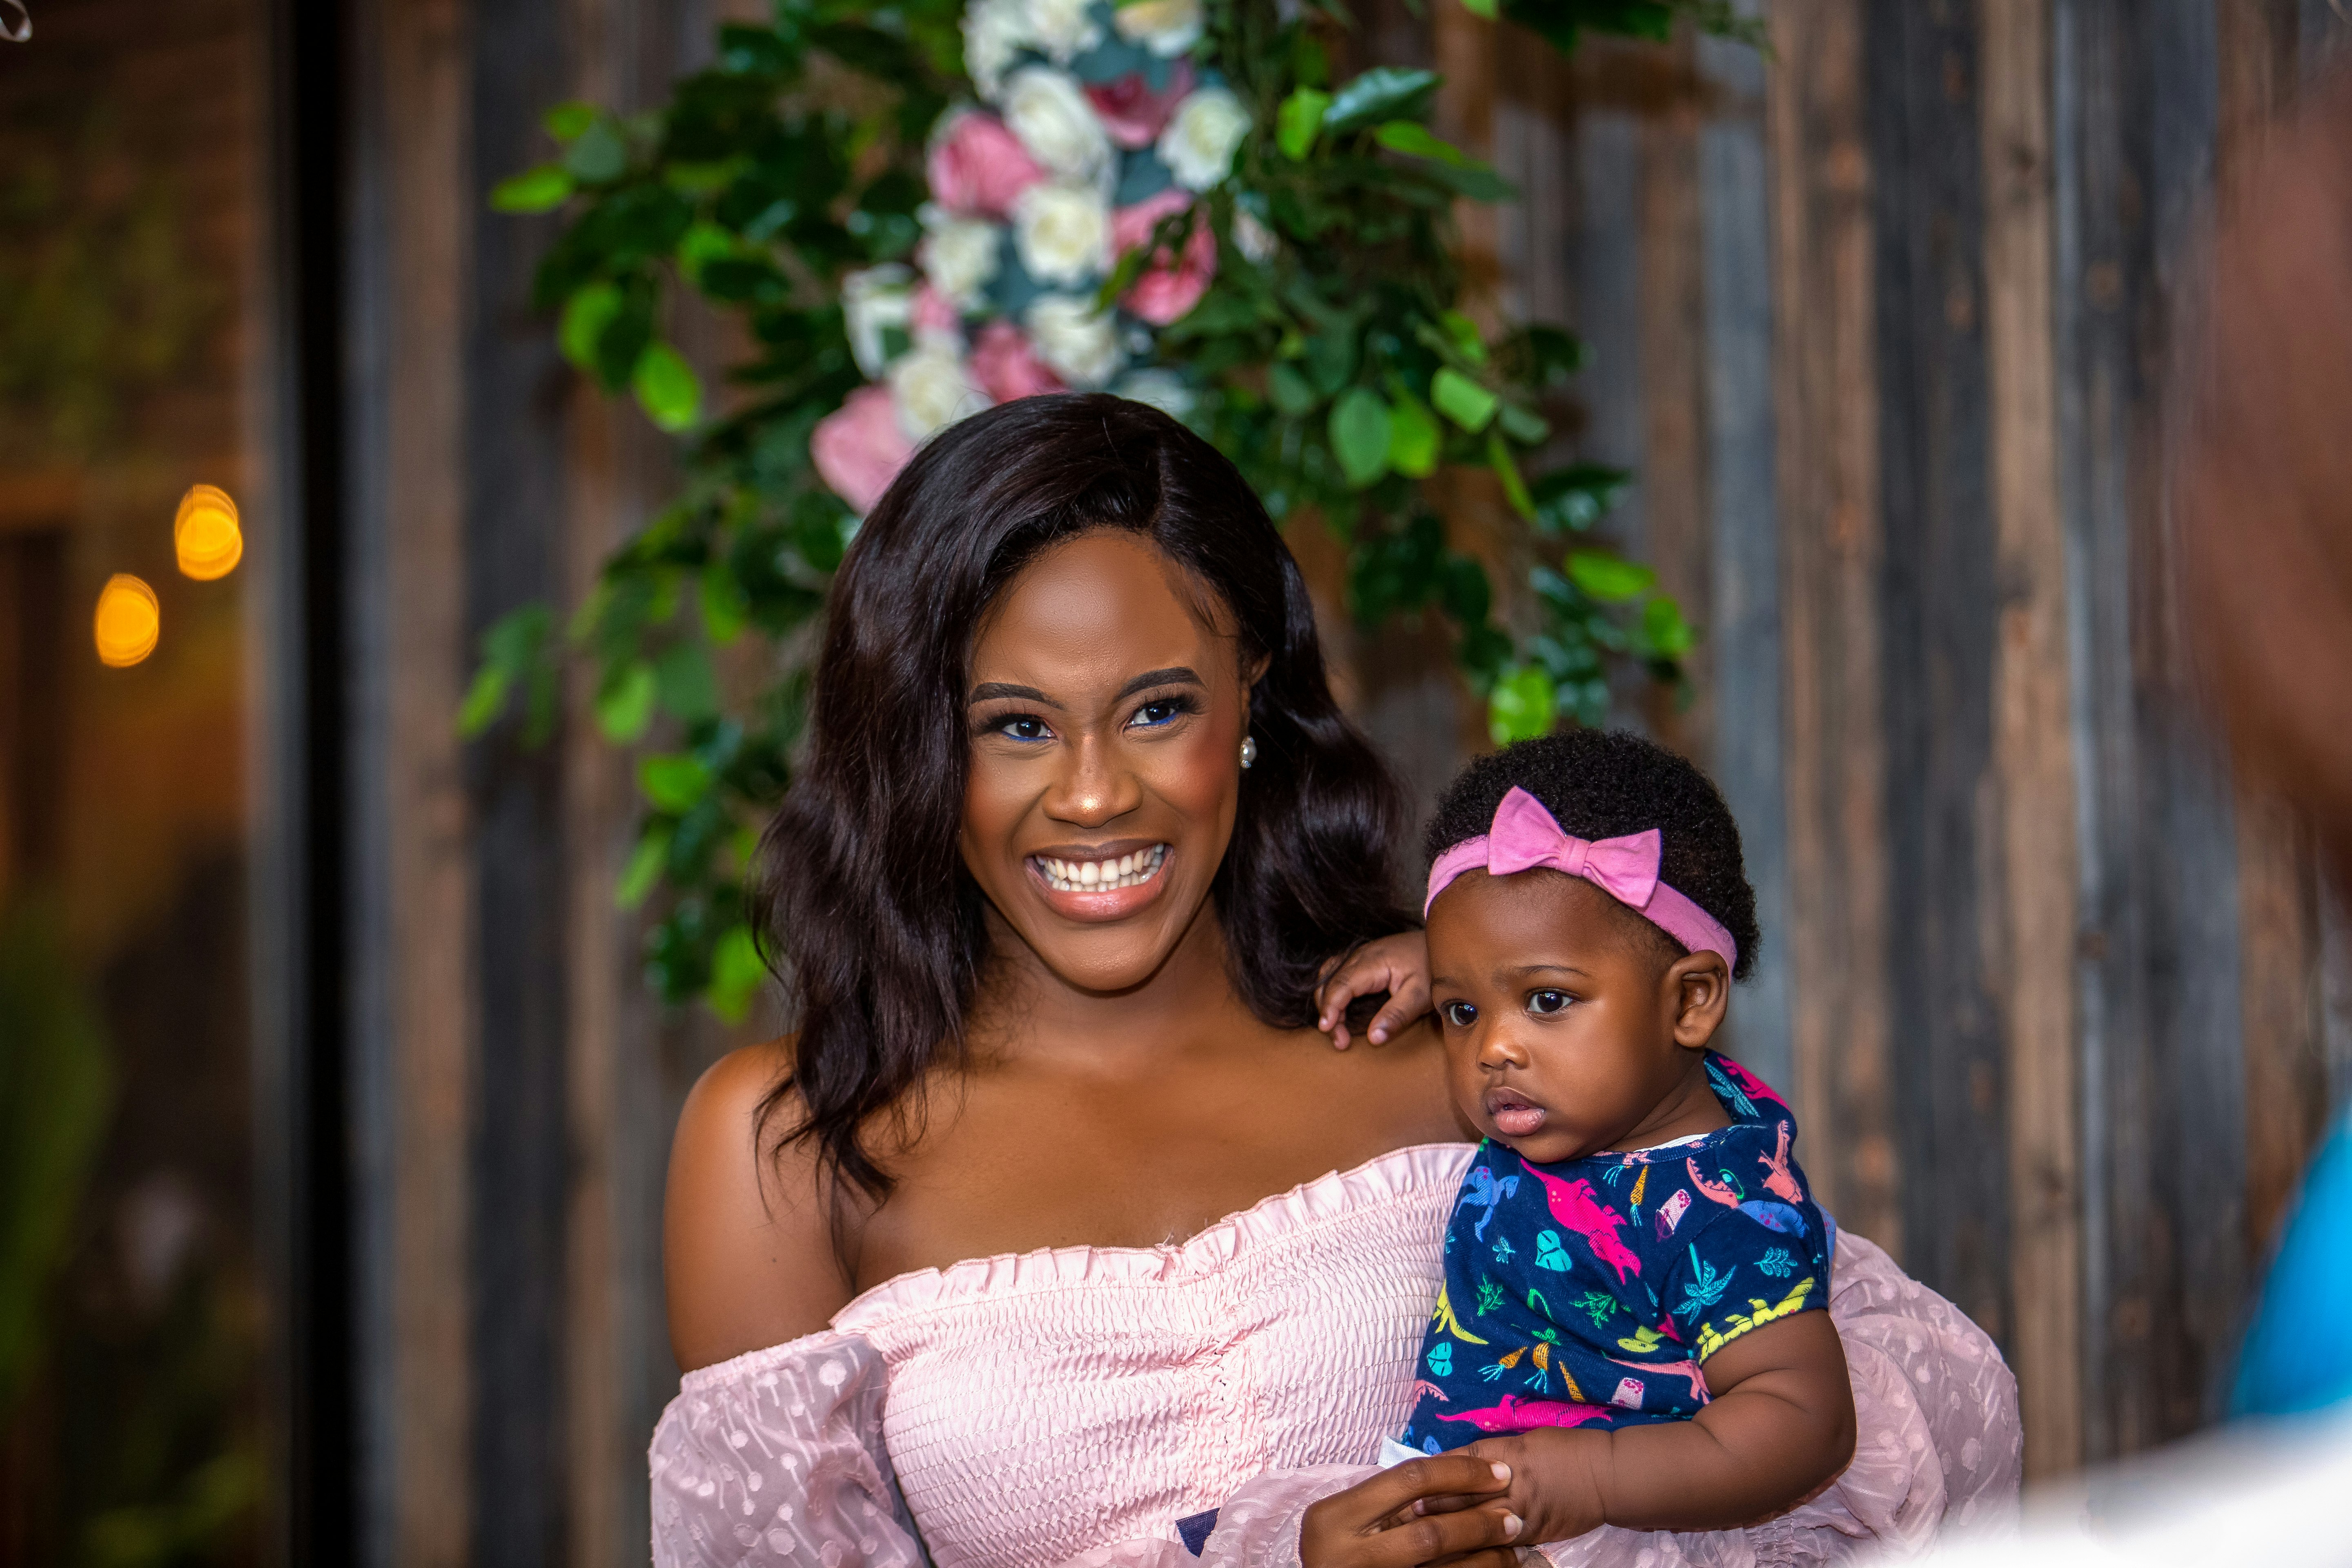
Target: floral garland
(917, 211)
(1093, 128)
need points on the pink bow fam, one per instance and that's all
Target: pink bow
(1526, 837)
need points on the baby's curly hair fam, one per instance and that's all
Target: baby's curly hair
(1601, 784)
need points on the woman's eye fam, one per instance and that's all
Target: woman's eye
(1548, 1001)
(1153, 714)
(1461, 1014)
(1025, 727)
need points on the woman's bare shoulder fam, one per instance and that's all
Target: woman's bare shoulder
(748, 1252)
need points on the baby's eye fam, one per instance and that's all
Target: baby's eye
(1461, 1014)
(1548, 1001)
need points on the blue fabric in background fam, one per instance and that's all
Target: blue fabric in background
(2298, 1355)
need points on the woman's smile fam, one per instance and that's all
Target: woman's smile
(1101, 882)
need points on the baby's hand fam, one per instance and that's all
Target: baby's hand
(1397, 964)
(1553, 1485)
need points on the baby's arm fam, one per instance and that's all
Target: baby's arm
(1780, 1430)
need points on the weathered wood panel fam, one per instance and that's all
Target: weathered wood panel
(414, 1024)
(1743, 594)
(1825, 378)
(1939, 613)
(2030, 957)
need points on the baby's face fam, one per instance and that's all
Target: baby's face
(1567, 1030)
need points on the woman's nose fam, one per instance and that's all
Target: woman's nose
(1093, 788)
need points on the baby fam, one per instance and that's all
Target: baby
(1635, 1269)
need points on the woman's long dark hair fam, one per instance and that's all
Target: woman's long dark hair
(870, 916)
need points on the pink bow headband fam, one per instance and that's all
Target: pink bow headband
(1525, 836)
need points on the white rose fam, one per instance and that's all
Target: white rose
(1048, 111)
(1078, 342)
(871, 301)
(994, 31)
(930, 388)
(1163, 389)
(1252, 238)
(1198, 145)
(1166, 28)
(1063, 29)
(958, 255)
(1062, 232)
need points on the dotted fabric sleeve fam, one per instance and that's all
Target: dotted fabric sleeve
(776, 1457)
(1939, 1443)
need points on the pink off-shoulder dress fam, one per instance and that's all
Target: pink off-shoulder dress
(1066, 1408)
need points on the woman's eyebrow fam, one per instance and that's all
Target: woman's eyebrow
(987, 690)
(1174, 675)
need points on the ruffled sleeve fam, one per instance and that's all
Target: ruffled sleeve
(1935, 1406)
(777, 1456)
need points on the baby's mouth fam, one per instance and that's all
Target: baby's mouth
(1513, 1115)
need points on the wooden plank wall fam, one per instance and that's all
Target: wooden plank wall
(2061, 1012)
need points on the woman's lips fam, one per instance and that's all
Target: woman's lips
(1514, 1115)
(1105, 888)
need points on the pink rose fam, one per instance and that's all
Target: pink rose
(1006, 367)
(977, 167)
(1170, 286)
(933, 313)
(858, 448)
(1131, 112)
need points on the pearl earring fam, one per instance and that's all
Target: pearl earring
(1249, 749)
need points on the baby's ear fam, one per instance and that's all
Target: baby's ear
(1701, 983)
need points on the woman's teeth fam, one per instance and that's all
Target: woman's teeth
(1102, 876)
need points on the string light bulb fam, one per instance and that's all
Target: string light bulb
(206, 535)
(129, 621)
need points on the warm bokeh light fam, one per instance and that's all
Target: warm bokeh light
(205, 533)
(129, 620)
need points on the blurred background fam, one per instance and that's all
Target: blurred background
(333, 1105)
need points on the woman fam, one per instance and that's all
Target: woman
(1055, 1161)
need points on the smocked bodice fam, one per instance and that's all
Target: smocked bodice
(1042, 1404)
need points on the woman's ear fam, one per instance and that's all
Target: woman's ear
(1700, 986)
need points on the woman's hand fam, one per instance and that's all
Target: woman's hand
(1397, 964)
(1377, 1523)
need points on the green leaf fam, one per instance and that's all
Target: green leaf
(484, 700)
(625, 704)
(1384, 92)
(1529, 429)
(1480, 9)
(674, 781)
(600, 155)
(689, 690)
(1515, 488)
(667, 388)
(566, 121)
(1415, 140)
(702, 243)
(538, 190)
(1662, 626)
(1522, 706)
(585, 316)
(1578, 496)
(1300, 120)
(1413, 438)
(645, 867)
(1360, 431)
(1292, 395)
(726, 607)
(736, 974)
(1462, 400)
(1462, 333)
(1607, 577)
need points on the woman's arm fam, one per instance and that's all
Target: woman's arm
(1781, 1428)
(748, 1254)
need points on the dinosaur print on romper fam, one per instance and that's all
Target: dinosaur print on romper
(1591, 1293)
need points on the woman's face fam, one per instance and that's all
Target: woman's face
(1107, 718)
